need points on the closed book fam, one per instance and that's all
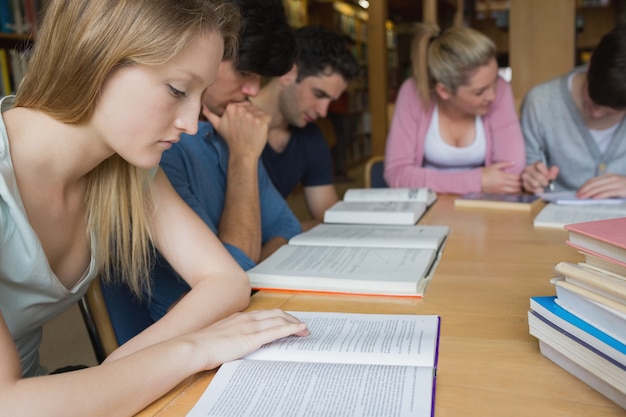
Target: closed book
(548, 308)
(6, 17)
(596, 365)
(603, 237)
(5, 72)
(574, 368)
(604, 265)
(595, 311)
(597, 282)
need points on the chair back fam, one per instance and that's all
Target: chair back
(113, 315)
(374, 172)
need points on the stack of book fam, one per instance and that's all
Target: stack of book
(583, 328)
(355, 259)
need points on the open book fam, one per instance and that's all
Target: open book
(358, 259)
(350, 365)
(403, 206)
(556, 216)
(426, 237)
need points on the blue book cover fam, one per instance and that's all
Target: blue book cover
(558, 316)
(6, 16)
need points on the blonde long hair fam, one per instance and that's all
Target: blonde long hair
(79, 44)
(446, 57)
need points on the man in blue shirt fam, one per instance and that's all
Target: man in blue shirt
(296, 151)
(217, 171)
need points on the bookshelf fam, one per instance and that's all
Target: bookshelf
(352, 21)
(553, 35)
(296, 11)
(18, 25)
(393, 61)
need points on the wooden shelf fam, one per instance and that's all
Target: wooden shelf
(15, 41)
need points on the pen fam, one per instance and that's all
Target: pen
(543, 159)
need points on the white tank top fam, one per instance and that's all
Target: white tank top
(440, 155)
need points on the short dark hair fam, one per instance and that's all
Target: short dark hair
(324, 51)
(267, 44)
(606, 74)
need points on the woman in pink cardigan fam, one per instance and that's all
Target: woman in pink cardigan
(455, 128)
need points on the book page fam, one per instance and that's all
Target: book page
(387, 207)
(249, 388)
(349, 269)
(383, 339)
(387, 194)
(376, 212)
(569, 198)
(557, 216)
(258, 387)
(373, 236)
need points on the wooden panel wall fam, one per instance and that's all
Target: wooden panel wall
(541, 42)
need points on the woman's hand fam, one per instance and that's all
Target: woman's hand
(537, 176)
(495, 180)
(242, 333)
(603, 186)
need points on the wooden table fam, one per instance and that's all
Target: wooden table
(489, 365)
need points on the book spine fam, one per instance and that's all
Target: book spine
(616, 305)
(6, 16)
(18, 18)
(5, 73)
(593, 281)
(30, 13)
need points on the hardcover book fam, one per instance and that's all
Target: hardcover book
(605, 238)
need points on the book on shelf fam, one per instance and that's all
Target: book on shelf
(518, 202)
(5, 73)
(557, 216)
(346, 367)
(592, 309)
(402, 206)
(605, 238)
(592, 366)
(6, 17)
